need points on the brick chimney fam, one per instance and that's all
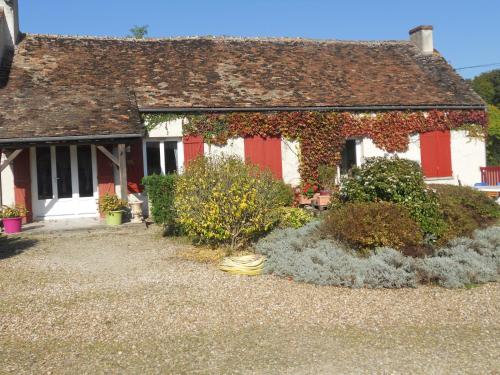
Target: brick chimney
(423, 39)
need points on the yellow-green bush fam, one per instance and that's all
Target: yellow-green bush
(293, 217)
(222, 200)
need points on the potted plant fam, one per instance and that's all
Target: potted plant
(307, 194)
(112, 207)
(12, 218)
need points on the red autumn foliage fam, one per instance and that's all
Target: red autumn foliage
(322, 135)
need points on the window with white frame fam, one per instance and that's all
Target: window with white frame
(349, 156)
(162, 157)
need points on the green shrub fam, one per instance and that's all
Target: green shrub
(464, 209)
(293, 217)
(161, 193)
(222, 200)
(398, 181)
(367, 225)
(327, 176)
(286, 195)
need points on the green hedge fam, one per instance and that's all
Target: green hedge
(397, 181)
(161, 194)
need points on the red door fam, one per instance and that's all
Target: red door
(435, 153)
(135, 168)
(22, 182)
(105, 175)
(266, 153)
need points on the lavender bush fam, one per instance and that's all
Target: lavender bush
(303, 255)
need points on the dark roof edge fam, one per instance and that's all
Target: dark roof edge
(325, 108)
(68, 138)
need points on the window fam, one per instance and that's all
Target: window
(153, 157)
(85, 181)
(63, 170)
(348, 156)
(44, 173)
(170, 157)
(435, 153)
(161, 157)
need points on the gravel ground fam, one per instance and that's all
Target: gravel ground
(121, 301)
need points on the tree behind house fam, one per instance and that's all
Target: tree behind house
(487, 85)
(139, 32)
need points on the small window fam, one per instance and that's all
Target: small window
(153, 157)
(170, 157)
(44, 173)
(85, 181)
(162, 157)
(348, 156)
(63, 170)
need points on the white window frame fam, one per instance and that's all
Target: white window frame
(161, 144)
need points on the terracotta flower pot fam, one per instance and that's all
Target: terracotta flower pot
(304, 200)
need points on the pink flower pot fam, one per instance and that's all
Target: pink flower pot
(12, 225)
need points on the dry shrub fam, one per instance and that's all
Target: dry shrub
(465, 209)
(367, 225)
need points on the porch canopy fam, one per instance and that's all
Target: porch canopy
(70, 115)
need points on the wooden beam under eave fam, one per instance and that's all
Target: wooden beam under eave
(10, 159)
(4, 165)
(109, 155)
(122, 169)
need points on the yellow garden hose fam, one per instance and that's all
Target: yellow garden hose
(251, 265)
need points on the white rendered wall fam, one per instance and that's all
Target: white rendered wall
(8, 197)
(370, 150)
(167, 129)
(11, 29)
(234, 147)
(467, 156)
(413, 152)
(290, 151)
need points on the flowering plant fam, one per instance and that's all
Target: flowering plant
(111, 203)
(309, 189)
(13, 212)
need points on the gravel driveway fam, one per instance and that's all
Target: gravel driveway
(120, 301)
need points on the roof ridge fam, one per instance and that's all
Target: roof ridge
(222, 38)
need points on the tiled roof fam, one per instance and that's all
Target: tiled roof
(77, 85)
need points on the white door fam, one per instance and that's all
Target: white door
(64, 181)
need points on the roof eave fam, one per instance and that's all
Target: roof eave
(312, 108)
(68, 139)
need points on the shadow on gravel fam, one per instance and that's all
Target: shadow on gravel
(12, 246)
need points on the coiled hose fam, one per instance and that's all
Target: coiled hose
(251, 265)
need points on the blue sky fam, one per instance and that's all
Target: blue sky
(466, 31)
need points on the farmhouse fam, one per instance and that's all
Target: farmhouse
(84, 116)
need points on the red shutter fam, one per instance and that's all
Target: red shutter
(105, 175)
(135, 168)
(435, 151)
(193, 147)
(22, 182)
(266, 153)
